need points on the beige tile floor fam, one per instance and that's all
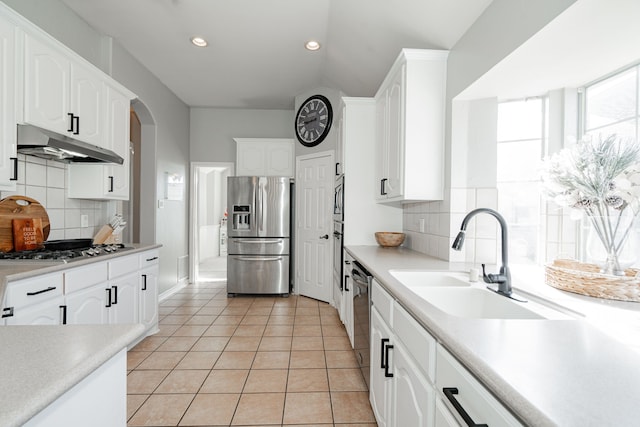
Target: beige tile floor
(245, 361)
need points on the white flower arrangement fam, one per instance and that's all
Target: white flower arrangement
(602, 179)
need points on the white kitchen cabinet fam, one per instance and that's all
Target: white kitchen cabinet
(99, 400)
(88, 306)
(86, 291)
(62, 94)
(124, 282)
(35, 301)
(8, 154)
(106, 181)
(45, 313)
(346, 311)
(409, 140)
(264, 157)
(380, 387)
(473, 398)
(124, 299)
(402, 365)
(414, 396)
(149, 269)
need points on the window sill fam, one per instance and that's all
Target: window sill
(619, 319)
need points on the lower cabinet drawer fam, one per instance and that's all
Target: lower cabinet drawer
(455, 383)
(383, 301)
(419, 343)
(85, 277)
(32, 291)
(123, 265)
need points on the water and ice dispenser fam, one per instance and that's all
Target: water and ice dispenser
(241, 217)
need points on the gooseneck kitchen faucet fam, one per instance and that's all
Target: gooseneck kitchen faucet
(503, 278)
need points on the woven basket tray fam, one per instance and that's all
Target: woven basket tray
(586, 279)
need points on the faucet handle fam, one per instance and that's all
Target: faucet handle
(492, 278)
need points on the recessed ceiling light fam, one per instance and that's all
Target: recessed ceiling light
(312, 45)
(199, 41)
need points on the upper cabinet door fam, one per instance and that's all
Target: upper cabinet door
(46, 87)
(87, 104)
(63, 95)
(264, 156)
(8, 159)
(410, 111)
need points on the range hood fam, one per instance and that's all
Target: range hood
(35, 141)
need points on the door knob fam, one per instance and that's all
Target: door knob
(326, 236)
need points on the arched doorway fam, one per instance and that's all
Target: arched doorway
(143, 176)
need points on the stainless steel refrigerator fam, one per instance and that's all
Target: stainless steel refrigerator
(259, 232)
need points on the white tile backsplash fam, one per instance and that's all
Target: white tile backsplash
(55, 177)
(35, 174)
(46, 182)
(443, 220)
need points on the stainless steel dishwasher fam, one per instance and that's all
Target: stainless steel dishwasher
(361, 282)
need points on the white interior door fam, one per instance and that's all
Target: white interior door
(314, 216)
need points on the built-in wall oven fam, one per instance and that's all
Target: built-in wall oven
(361, 282)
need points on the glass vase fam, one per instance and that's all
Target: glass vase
(612, 241)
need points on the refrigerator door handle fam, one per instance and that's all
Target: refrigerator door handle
(260, 241)
(261, 197)
(260, 258)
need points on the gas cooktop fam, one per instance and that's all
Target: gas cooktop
(64, 255)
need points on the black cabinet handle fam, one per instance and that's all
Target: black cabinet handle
(110, 184)
(383, 363)
(337, 166)
(108, 298)
(449, 392)
(144, 282)
(346, 281)
(382, 187)
(152, 259)
(115, 295)
(77, 127)
(71, 116)
(63, 310)
(15, 168)
(42, 291)
(386, 363)
(347, 262)
(7, 312)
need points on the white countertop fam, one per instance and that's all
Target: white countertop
(548, 372)
(40, 363)
(11, 270)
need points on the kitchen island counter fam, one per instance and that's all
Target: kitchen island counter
(38, 364)
(547, 372)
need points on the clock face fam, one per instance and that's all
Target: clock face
(313, 120)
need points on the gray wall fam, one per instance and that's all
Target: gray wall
(166, 147)
(212, 130)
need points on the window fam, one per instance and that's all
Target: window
(611, 106)
(521, 140)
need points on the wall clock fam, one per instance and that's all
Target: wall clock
(313, 120)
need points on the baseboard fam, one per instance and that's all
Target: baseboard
(171, 291)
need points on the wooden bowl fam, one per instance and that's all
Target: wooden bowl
(389, 239)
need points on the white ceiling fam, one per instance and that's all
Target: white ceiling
(256, 58)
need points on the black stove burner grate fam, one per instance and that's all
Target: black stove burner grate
(62, 255)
